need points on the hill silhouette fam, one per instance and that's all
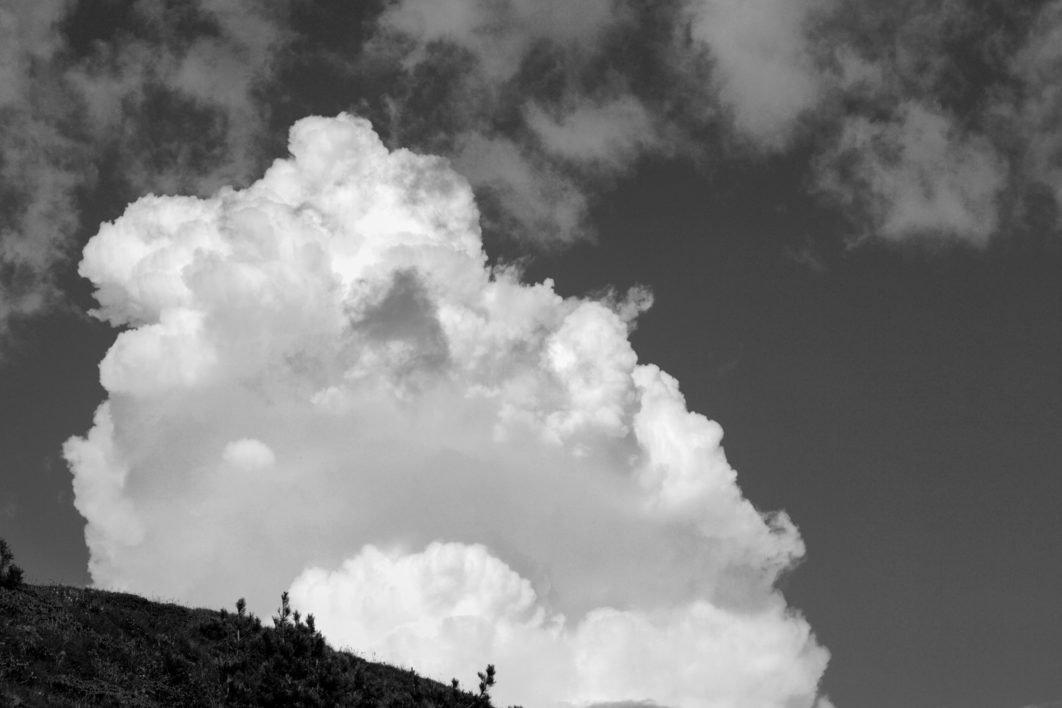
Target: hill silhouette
(65, 646)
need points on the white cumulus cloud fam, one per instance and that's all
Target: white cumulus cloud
(322, 386)
(454, 606)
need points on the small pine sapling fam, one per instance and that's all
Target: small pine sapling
(486, 681)
(283, 612)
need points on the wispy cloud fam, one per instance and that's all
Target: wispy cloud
(765, 71)
(942, 136)
(914, 176)
(165, 111)
(931, 122)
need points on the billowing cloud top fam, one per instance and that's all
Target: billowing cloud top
(322, 386)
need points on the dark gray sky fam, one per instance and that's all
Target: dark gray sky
(903, 409)
(852, 240)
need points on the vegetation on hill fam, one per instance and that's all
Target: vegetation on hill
(63, 646)
(10, 574)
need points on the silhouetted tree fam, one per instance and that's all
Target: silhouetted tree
(283, 616)
(10, 574)
(486, 680)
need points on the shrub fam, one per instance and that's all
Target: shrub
(10, 574)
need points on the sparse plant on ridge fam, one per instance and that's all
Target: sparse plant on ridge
(486, 681)
(283, 616)
(66, 646)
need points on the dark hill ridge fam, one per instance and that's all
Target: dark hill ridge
(64, 646)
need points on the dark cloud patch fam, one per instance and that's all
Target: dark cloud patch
(324, 68)
(172, 153)
(437, 101)
(948, 52)
(404, 326)
(90, 25)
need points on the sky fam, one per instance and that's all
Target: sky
(677, 353)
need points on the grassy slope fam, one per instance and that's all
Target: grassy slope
(63, 646)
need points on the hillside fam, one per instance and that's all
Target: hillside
(64, 646)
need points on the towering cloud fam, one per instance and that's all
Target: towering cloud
(320, 385)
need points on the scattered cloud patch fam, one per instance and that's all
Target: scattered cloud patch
(500, 34)
(917, 177)
(164, 109)
(1037, 65)
(605, 134)
(536, 197)
(765, 70)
